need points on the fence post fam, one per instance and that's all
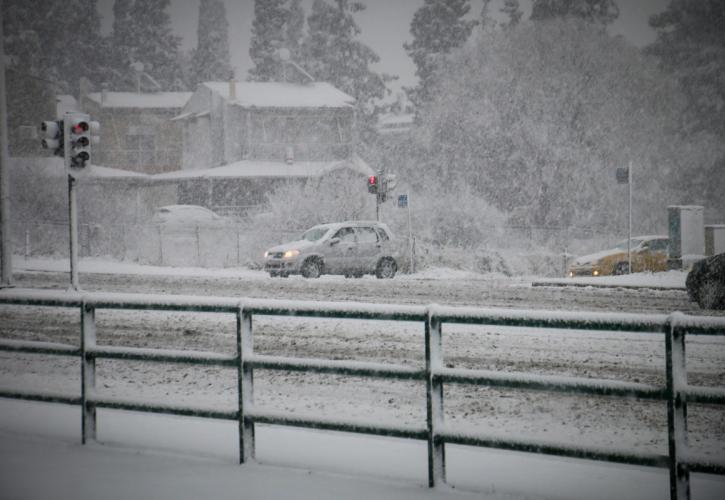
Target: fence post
(245, 384)
(676, 373)
(198, 246)
(434, 400)
(88, 372)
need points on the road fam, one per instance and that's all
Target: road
(585, 420)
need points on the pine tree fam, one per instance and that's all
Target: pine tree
(210, 61)
(332, 53)
(154, 45)
(69, 33)
(270, 17)
(437, 28)
(512, 10)
(690, 46)
(295, 29)
(121, 47)
(595, 11)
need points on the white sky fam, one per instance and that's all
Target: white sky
(385, 26)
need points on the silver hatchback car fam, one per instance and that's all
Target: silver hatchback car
(351, 248)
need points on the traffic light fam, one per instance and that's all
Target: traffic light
(53, 136)
(373, 183)
(78, 138)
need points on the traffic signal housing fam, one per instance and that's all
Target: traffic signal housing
(373, 184)
(53, 136)
(78, 135)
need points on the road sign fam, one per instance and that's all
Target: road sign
(623, 175)
(402, 200)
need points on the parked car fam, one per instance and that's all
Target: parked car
(351, 248)
(186, 215)
(649, 253)
(706, 282)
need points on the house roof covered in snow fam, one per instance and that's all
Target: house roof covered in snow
(267, 169)
(283, 94)
(152, 100)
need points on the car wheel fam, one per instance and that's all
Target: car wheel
(386, 268)
(621, 268)
(708, 295)
(312, 268)
(357, 275)
(273, 274)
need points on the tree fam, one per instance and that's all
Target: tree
(295, 29)
(68, 33)
(595, 11)
(536, 118)
(210, 60)
(438, 26)
(690, 45)
(512, 11)
(154, 45)
(333, 53)
(270, 17)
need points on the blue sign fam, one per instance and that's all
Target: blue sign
(402, 200)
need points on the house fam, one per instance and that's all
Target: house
(243, 138)
(137, 130)
(225, 122)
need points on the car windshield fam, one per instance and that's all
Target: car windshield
(315, 233)
(622, 245)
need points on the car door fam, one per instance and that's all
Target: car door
(653, 256)
(340, 255)
(368, 249)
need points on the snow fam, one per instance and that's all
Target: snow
(161, 457)
(284, 95)
(135, 100)
(258, 168)
(664, 280)
(668, 280)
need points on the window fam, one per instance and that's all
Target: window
(367, 235)
(345, 234)
(382, 234)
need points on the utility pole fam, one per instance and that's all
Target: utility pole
(629, 237)
(6, 263)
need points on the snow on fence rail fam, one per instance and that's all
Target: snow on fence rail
(676, 392)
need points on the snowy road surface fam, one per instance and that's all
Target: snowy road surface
(608, 422)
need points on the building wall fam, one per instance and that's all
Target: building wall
(136, 139)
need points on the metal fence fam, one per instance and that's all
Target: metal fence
(676, 392)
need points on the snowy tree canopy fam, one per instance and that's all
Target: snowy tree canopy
(334, 53)
(536, 118)
(594, 11)
(438, 26)
(270, 17)
(690, 45)
(154, 45)
(210, 61)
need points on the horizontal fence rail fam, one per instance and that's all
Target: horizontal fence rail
(676, 393)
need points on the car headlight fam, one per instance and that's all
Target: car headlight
(266, 254)
(291, 253)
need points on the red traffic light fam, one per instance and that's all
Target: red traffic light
(80, 127)
(373, 184)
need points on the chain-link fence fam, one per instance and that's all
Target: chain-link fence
(156, 244)
(522, 250)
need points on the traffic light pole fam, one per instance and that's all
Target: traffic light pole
(6, 263)
(73, 225)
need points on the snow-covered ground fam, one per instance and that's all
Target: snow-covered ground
(665, 280)
(157, 457)
(383, 468)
